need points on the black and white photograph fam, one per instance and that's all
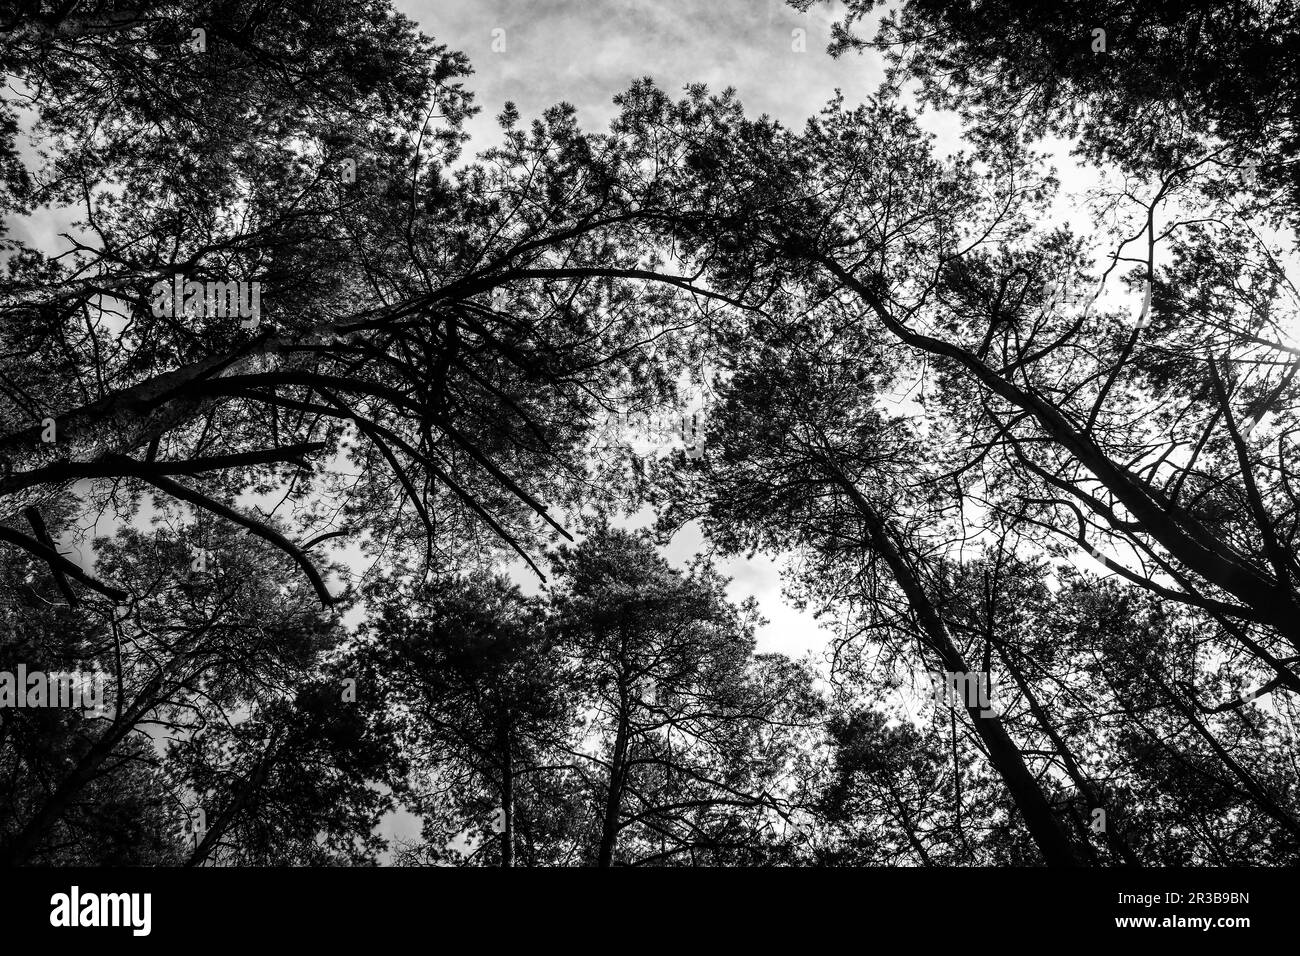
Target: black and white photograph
(810, 446)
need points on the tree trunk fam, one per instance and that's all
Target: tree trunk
(1004, 755)
(25, 843)
(507, 799)
(1116, 841)
(614, 798)
(131, 417)
(1273, 602)
(236, 805)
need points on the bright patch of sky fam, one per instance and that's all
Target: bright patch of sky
(584, 52)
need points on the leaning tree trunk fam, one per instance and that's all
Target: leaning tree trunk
(1003, 753)
(238, 803)
(28, 839)
(1273, 599)
(614, 798)
(507, 797)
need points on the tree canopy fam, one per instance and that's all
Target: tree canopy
(306, 447)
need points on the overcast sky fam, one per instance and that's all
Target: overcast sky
(536, 53)
(585, 51)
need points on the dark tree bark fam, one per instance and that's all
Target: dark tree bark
(1003, 753)
(617, 772)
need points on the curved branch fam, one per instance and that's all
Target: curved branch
(59, 562)
(264, 532)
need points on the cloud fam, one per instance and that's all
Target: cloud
(585, 51)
